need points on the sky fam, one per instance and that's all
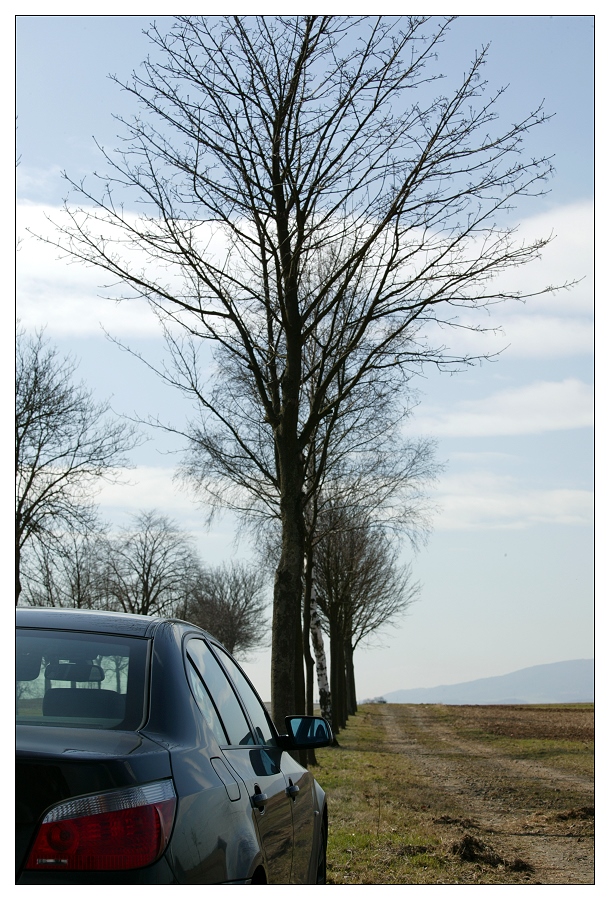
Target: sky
(506, 576)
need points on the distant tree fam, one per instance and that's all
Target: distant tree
(69, 572)
(362, 463)
(150, 566)
(229, 602)
(297, 172)
(360, 588)
(65, 443)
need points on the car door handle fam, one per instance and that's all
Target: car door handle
(259, 801)
(292, 790)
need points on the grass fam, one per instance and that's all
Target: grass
(384, 813)
(377, 832)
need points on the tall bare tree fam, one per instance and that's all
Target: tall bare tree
(65, 443)
(304, 178)
(229, 601)
(359, 456)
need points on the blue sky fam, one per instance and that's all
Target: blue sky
(507, 574)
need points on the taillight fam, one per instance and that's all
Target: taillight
(123, 829)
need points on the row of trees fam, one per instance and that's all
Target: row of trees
(65, 444)
(297, 194)
(359, 587)
(150, 566)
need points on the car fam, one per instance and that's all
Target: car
(145, 756)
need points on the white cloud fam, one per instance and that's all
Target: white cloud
(534, 409)
(524, 336)
(484, 500)
(66, 297)
(147, 487)
(71, 298)
(548, 326)
(569, 257)
(548, 337)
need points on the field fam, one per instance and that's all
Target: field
(426, 794)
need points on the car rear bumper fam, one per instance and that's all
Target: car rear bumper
(159, 873)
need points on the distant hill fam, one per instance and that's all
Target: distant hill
(561, 682)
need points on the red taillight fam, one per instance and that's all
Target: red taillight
(123, 829)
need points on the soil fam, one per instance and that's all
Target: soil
(531, 817)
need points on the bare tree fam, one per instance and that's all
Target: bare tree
(361, 462)
(69, 572)
(303, 178)
(358, 455)
(65, 443)
(360, 588)
(150, 566)
(229, 602)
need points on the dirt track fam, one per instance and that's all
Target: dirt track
(530, 816)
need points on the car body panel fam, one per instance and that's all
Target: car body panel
(159, 873)
(258, 768)
(304, 808)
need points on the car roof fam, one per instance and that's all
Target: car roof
(90, 620)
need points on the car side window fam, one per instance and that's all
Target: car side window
(204, 702)
(221, 691)
(252, 702)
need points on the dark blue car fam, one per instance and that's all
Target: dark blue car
(145, 756)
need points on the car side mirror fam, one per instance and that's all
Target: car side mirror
(307, 732)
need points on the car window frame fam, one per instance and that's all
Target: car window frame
(190, 636)
(212, 644)
(190, 666)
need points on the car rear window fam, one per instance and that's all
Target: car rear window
(80, 679)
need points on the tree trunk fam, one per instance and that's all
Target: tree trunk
(309, 660)
(337, 676)
(17, 572)
(350, 678)
(321, 666)
(287, 688)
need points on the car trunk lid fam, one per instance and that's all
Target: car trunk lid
(55, 764)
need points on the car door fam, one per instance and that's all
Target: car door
(304, 813)
(299, 782)
(257, 765)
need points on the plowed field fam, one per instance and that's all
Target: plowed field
(424, 794)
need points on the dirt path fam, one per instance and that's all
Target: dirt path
(524, 812)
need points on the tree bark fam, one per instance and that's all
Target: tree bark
(350, 678)
(321, 666)
(309, 660)
(337, 677)
(307, 655)
(17, 571)
(287, 689)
